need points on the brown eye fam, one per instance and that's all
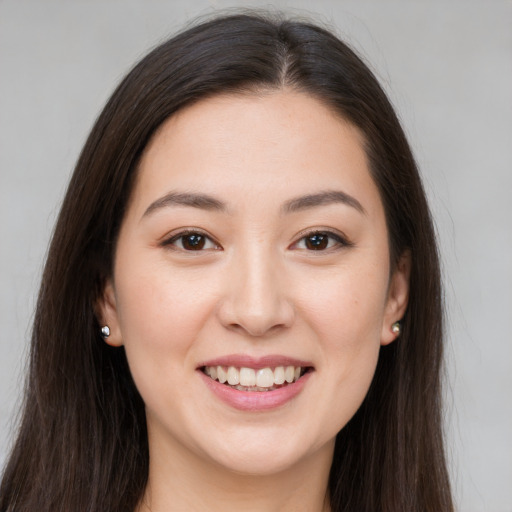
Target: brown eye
(321, 241)
(191, 241)
(317, 242)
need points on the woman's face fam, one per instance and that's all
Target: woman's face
(254, 249)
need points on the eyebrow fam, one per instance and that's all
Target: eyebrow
(191, 199)
(206, 202)
(321, 199)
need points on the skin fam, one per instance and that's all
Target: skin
(256, 288)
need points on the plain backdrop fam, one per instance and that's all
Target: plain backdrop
(447, 66)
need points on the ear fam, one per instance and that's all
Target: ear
(106, 311)
(398, 298)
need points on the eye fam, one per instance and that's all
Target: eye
(320, 241)
(191, 241)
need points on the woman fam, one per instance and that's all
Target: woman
(241, 307)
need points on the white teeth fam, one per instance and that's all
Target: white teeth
(221, 374)
(248, 379)
(278, 375)
(233, 376)
(265, 378)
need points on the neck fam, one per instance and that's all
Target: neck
(179, 481)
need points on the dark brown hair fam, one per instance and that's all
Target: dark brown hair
(82, 442)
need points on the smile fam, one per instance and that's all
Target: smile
(250, 379)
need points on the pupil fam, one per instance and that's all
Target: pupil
(316, 242)
(193, 242)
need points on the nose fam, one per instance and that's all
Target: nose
(256, 301)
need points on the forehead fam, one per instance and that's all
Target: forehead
(269, 144)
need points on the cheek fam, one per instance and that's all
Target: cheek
(345, 313)
(160, 315)
(345, 307)
(348, 328)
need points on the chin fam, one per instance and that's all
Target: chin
(259, 465)
(268, 453)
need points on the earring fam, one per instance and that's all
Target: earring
(396, 328)
(105, 331)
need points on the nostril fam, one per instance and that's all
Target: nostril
(255, 300)
(254, 330)
(256, 319)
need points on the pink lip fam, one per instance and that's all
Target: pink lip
(242, 360)
(255, 401)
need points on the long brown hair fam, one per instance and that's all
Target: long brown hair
(82, 442)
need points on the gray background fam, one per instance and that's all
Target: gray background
(448, 69)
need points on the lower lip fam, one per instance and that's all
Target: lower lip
(255, 400)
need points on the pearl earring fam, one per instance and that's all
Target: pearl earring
(105, 331)
(396, 328)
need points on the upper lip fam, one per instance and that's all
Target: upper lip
(246, 361)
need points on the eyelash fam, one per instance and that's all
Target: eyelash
(171, 242)
(340, 241)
